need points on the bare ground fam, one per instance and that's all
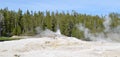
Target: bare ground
(58, 47)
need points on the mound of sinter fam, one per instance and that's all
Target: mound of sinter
(58, 47)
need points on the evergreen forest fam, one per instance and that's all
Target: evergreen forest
(24, 23)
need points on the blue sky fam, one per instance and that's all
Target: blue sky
(82, 6)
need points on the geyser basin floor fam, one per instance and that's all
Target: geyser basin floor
(58, 47)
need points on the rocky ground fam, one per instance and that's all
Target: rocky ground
(58, 47)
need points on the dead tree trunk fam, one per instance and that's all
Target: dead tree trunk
(1, 23)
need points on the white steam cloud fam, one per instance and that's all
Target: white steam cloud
(48, 33)
(108, 35)
(106, 24)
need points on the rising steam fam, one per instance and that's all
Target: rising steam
(108, 35)
(47, 33)
(106, 24)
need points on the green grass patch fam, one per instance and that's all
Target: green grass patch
(7, 39)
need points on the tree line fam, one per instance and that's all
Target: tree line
(24, 23)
